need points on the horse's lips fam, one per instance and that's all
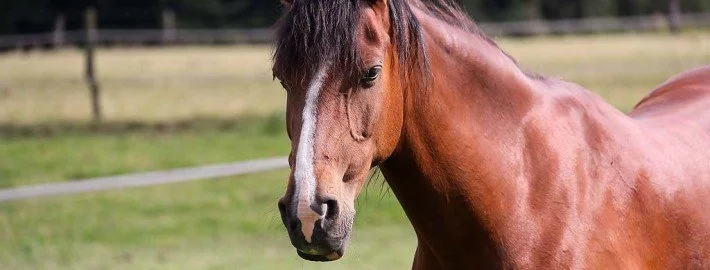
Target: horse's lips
(321, 258)
(334, 256)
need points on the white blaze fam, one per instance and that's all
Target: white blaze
(305, 172)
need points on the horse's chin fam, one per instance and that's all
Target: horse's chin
(333, 256)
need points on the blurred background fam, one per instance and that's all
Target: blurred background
(94, 88)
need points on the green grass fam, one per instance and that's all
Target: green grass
(84, 155)
(233, 112)
(222, 224)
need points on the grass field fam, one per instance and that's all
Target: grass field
(140, 84)
(224, 224)
(149, 84)
(227, 223)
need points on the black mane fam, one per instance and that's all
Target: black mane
(312, 32)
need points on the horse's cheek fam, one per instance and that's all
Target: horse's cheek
(361, 115)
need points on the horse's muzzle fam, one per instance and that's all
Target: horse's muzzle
(328, 239)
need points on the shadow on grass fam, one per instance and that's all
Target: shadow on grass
(271, 125)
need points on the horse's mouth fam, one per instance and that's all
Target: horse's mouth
(333, 256)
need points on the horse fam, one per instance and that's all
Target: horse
(495, 167)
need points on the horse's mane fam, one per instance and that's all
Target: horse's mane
(316, 31)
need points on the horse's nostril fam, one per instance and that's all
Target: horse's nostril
(333, 210)
(319, 208)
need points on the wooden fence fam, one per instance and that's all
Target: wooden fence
(595, 25)
(91, 36)
(170, 36)
(139, 37)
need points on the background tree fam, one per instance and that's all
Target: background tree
(32, 16)
(674, 15)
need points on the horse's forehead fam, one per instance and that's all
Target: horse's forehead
(315, 32)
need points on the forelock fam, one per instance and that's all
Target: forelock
(313, 32)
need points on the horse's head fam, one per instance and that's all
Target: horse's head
(338, 62)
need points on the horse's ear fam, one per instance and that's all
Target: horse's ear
(287, 3)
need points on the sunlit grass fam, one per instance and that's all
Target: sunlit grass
(229, 223)
(67, 157)
(145, 84)
(159, 84)
(620, 68)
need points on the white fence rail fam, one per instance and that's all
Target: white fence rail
(143, 179)
(263, 35)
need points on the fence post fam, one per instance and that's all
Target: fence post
(91, 25)
(674, 14)
(169, 26)
(58, 35)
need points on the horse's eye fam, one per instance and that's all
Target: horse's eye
(371, 75)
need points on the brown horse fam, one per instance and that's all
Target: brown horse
(494, 167)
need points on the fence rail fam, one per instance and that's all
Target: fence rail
(265, 35)
(141, 36)
(594, 25)
(143, 179)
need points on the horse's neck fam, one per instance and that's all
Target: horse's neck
(459, 171)
(457, 134)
